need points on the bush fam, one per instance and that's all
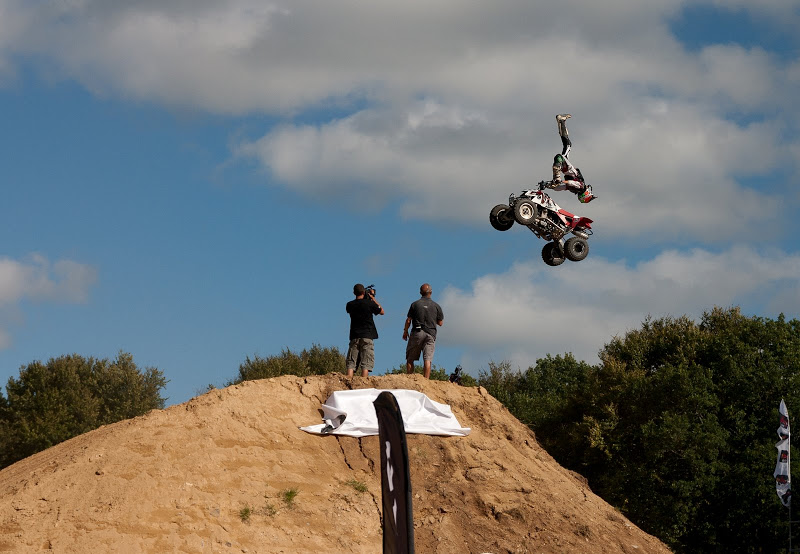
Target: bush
(316, 361)
(437, 374)
(70, 395)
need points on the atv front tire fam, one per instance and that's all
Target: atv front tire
(501, 218)
(576, 249)
(551, 254)
(525, 211)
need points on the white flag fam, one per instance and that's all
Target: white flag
(783, 475)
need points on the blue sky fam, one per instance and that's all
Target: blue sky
(197, 182)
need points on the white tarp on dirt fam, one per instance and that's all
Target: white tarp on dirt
(351, 413)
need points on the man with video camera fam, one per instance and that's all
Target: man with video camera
(361, 351)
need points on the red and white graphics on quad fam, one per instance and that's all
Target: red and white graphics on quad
(547, 220)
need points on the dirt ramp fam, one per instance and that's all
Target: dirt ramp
(230, 471)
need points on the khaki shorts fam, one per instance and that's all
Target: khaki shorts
(366, 349)
(420, 342)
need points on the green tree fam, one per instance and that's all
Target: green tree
(754, 362)
(70, 395)
(317, 360)
(537, 396)
(675, 426)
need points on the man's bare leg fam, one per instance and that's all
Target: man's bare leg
(409, 367)
(427, 366)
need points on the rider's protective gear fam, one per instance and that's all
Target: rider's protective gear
(561, 119)
(586, 195)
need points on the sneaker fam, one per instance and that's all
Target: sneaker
(563, 117)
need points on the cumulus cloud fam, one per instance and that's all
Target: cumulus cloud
(37, 279)
(532, 310)
(245, 55)
(443, 162)
(451, 104)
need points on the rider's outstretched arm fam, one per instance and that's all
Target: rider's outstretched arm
(556, 185)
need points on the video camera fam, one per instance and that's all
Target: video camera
(370, 290)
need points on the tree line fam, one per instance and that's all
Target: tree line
(675, 426)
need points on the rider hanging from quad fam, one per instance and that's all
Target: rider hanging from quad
(538, 212)
(565, 175)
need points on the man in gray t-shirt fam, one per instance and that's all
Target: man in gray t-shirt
(423, 317)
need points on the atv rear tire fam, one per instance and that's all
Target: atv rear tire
(576, 249)
(551, 254)
(525, 211)
(500, 217)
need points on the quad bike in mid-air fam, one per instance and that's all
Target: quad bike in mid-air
(547, 220)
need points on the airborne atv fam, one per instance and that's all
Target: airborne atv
(547, 220)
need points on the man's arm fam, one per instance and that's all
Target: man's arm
(380, 308)
(405, 331)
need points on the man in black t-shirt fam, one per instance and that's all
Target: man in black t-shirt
(425, 315)
(361, 351)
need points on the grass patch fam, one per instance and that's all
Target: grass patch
(288, 496)
(357, 485)
(245, 513)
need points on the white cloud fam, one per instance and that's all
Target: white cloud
(671, 170)
(37, 279)
(749, 78)
(454, 101)
(243, 55)
(533, 310)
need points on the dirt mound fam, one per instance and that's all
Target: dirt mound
(230, 471)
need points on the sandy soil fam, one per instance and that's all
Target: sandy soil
(184, 479)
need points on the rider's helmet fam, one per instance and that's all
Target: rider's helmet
(558, 160)
(586, 195)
